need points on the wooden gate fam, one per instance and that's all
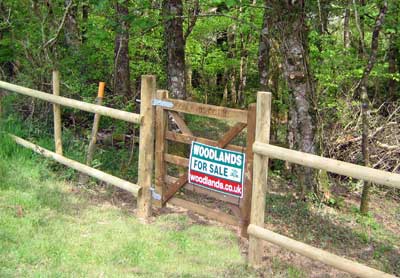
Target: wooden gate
(166, 186)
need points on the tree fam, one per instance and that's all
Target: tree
(362, 90)
(175, 47)
(291, 32)
(122, 78)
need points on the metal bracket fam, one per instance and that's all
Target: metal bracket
(162, 103)
(155, 195)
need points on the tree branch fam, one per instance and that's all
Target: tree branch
(53, 40)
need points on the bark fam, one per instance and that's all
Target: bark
(122, 78)
(175, 47)
(290, 21)
(364, 96)
(71, 25)
(264, 53)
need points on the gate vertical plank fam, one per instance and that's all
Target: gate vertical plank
(146, 145)
(260, 175)
(160, 165)
(57, 114)
(245, 205)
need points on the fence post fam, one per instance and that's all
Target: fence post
(146, 145)
(57, 114)
(245, 207)
(160, 167)
(260, 175)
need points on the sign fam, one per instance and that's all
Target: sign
(217, 169)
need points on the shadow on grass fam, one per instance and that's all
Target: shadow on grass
(295, 219)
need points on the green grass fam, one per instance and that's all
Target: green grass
(47, 230)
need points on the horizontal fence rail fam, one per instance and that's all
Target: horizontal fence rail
(329, 164)
(130, 187)
(88, 107)
(349, 266)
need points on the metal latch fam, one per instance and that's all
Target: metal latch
(154, 194)
(162, 103)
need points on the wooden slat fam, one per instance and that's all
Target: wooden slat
(245, 205)
(177, 160)
(181, 123)
(161, 148)
(197, 189)
(207, 110)
(186, 139)
(205, 211)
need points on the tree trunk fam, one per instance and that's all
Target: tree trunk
(295, 66)
(361, 88)
(122, 79)
(264, 53)
(175, 47)
(71, 25)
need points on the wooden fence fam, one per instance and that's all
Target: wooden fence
(262, 152)
(142, 190)
(154, 108)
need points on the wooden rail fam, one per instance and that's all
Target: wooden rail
(211, 111)
(93, 108)
(328, 164)
(133, 188)
(349, 266)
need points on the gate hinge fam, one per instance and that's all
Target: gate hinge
(154, 194)
(162, 103)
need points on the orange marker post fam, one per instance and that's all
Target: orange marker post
(93, 139)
